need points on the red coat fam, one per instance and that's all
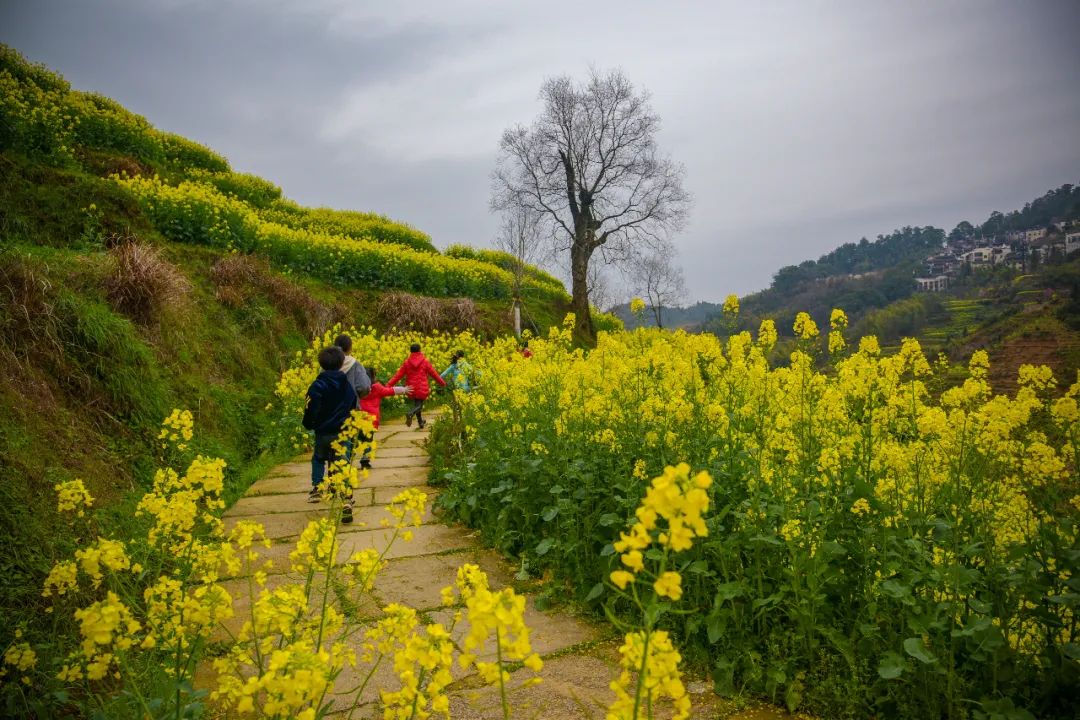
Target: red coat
(416, 369)
(372, 402)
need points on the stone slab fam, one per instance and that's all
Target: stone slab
(347, 694)
(412, 461)
(283, 526)
(548, 632)
(371, 517)
(383, 495)
(575, 686)
(265, 504)
(418, 581)
(410, 450)
(292, 469)
(280, 525)
(404, 439)
(395, 477)
(281, 485)
(427, 539)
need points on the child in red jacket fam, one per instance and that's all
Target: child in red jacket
(372, 405)
(416, 370)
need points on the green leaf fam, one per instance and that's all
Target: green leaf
(894, 589)
(697, 567)
(597, 591)
(608, 519)
(714, 629)
(609, 549)
(543, 546)
(840, 642)
(916, 648)
(550, 513)
(892, 666)
(728, 590)
(793, 696)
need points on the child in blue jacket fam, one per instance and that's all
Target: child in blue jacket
(330, 400)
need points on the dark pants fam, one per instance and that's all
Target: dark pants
(321, 456)
(366, 439)
(416, 409)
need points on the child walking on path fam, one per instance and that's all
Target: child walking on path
(330, 400)
(416, 370)
(372, 405)
(457, 377)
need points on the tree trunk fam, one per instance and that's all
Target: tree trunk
(579, 271)
(517, 317)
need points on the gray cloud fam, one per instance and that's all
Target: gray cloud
(802, 125)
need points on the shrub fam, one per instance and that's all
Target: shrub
(346, 223)
(239, 278)
(425, 314)
(35, 121)
(507, 262)
(140, 282)
(251, 189)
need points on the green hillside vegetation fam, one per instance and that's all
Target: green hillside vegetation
(873, 281)
(1062, 203)
(1019, 318)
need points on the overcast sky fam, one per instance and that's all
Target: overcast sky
(802, 125)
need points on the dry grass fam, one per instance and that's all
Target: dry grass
(239, 279)
(404, 310)
(141, 283)
(27, 317)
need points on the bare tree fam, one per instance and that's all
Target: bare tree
(519, 235)
(589, 166)
(660, 280)
(599, 284)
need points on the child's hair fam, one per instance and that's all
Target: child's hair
(331, 358)
(415, 347)
(370, 369)
(344, 342)
(458, 354)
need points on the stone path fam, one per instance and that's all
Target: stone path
(581, 657)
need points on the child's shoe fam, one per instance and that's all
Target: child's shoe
(421, 423)
(314, 496)
(365, 463)
(408, 420)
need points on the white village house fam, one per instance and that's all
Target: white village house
(933, 284)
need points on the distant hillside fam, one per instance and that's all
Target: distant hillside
(675, 317)
(869, 275)
(1018, 318)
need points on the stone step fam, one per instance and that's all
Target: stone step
(427, 540)
(288, 525)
